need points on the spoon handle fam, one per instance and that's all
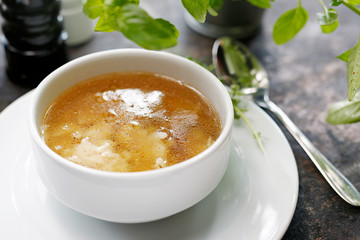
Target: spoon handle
(337, 181)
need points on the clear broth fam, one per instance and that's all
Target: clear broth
(128, 122)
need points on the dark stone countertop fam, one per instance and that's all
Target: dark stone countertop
(305, 79)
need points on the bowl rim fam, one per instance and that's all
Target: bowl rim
(34, 132)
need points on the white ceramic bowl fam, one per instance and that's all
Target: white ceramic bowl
(137, 196)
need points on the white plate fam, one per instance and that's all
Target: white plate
(256, 199)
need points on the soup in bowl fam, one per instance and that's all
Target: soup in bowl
(131, 135)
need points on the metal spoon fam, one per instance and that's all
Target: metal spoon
(235, 64)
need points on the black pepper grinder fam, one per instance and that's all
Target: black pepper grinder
(33, 39)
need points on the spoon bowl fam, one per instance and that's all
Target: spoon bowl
(236, 65)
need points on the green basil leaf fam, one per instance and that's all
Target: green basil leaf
(103, 26)
(99, 8)
(328, 21)
(329, 28)
(344, 112)
(197, 8)
(353, 71)
(119, 3)
(216, 4)
(212, 11)
(344, 56)
(260, 3)
(93, 8)
(108, 21)
(354, 2)
(289, 24)
(145, 31)
(336, 2)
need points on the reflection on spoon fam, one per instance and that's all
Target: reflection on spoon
(237, 65)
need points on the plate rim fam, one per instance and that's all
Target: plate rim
(285, 223)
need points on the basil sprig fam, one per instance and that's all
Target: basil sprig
(289, 24)
(348, 111)
(345, 112)
(137, 25)
(134, 22)
(328, 20)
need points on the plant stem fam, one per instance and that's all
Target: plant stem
(352, 7)
(255, 134)
(325, 9)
